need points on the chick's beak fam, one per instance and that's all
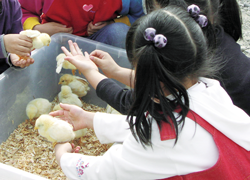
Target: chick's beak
(35, 128)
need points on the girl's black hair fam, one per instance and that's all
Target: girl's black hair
(219, 12)
(158, 70)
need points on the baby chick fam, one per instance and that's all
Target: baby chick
(78, 85)
(54, 129)
(61, 63)
(111, 110)
(66, 96)
(38, 106)
(38, 39)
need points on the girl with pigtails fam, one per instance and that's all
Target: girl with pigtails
(222, 32)
(181, 125)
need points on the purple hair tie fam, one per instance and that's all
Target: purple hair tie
(194, 11)
(159, 40)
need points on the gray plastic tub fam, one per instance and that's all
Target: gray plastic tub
(40, 80)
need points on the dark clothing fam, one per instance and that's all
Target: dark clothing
(10, 23)
(235, 74)
(234, 77)
(116, 96)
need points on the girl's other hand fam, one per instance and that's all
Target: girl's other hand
(16, 61)
(18, 44)
(105, 62)
(75, 115)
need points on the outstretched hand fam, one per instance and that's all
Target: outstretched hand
(72, 114)
(76, 57)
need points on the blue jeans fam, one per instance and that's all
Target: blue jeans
(113, 34)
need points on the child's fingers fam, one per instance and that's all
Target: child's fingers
(98, 53)
(66, 52)
(86, 54)
(78, 50)
(72, 48)
(96, 60)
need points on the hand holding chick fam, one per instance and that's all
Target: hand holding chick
(38, 39)
(54, 129)
(37, 107)
(78, 85)
(68, 97)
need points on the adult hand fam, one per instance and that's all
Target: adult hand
(18, 44)
(16, 61)
(75, 115)
(93, 28)
(53, 28)
(105, 62)
(76, 57)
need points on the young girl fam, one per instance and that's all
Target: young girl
(222, 34)
(11, 42)
(186, 126)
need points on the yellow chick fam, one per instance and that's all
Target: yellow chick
(61, 63)
(57, 107)
(54, 129)
(78, 85)
(66, 96)
(38, 39)
(38, 106)
(111, 110)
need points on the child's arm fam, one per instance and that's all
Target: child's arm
(111, 69)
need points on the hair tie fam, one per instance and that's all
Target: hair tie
(194, 11)
(159, 40)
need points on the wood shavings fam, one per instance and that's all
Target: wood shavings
(25, 149)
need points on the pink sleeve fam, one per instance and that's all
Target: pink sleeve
(34, 8)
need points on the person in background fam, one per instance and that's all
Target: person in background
(11, 42)
(181, 125)
(95, 20)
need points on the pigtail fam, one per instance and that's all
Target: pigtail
(231, 18)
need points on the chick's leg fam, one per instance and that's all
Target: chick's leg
(54, 144)
(73, 71)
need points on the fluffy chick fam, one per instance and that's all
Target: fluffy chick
(38, 106)
(66, 96)
(54, 129)
(61, 63)
(78, 85)
(111, 110)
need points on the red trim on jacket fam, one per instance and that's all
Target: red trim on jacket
(233, 162)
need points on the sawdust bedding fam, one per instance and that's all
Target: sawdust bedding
(25, 149)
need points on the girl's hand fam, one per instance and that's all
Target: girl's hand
(61, 149)
(18, 44)
(20, 62)
(76, 57)
(75, 115)
(105, 62)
